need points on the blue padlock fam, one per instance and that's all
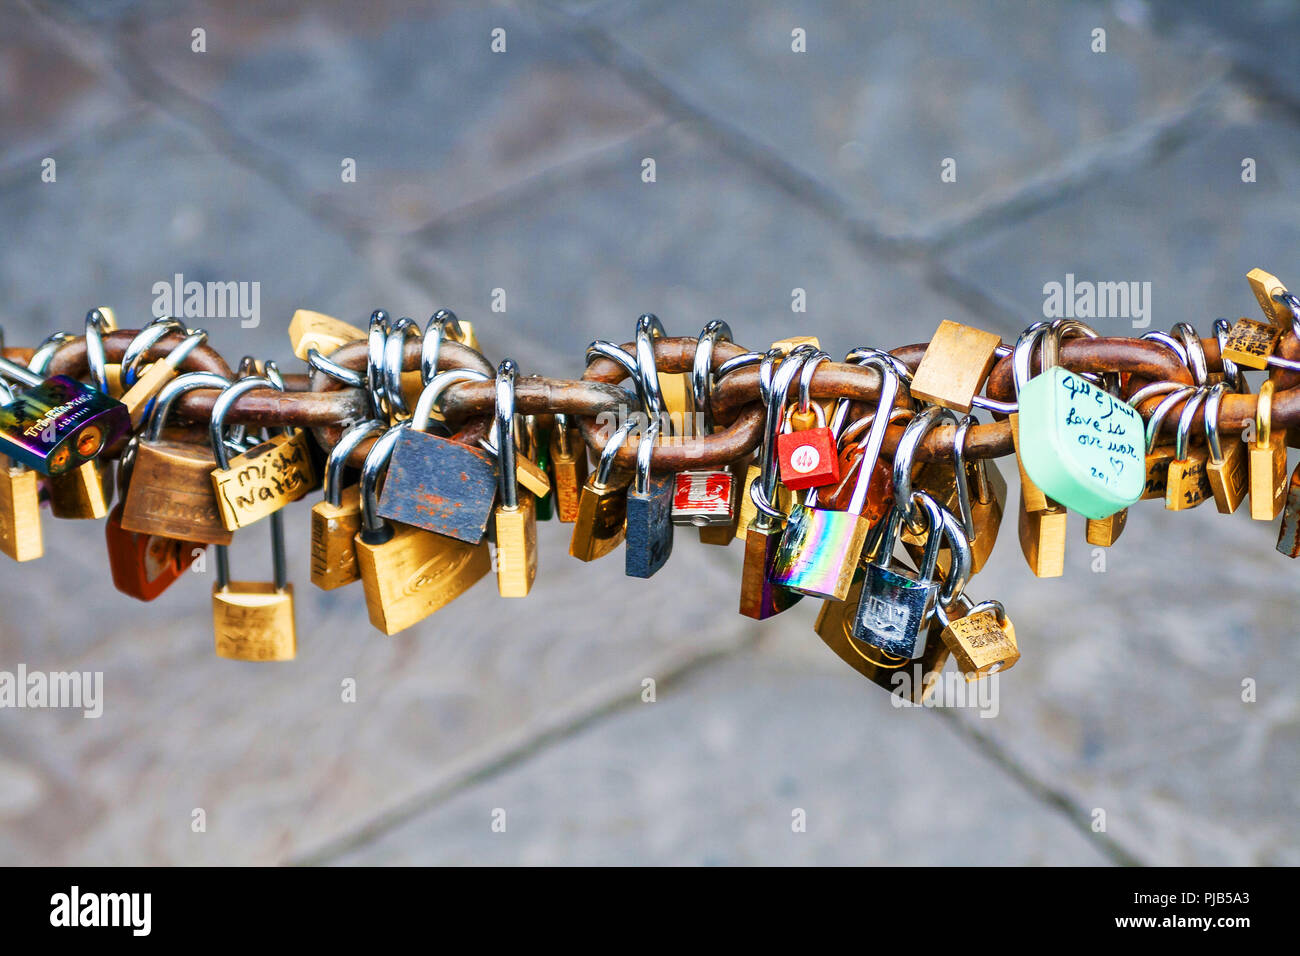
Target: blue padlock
(649, 513)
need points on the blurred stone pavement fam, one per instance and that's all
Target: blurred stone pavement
(775, 170)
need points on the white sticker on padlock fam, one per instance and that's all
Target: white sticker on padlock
(804, 459)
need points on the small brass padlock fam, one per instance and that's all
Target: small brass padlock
(20, 512)
(1266, 460)
(956, 362)
(569, 464)
(1226, 469)
(602, 504)
(336, 520)
(982, 641)
(1188, 483)
(254, 620)
(515, 517)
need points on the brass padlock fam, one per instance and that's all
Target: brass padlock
(80, 494)
(982, 641)
(515, 517)
(1268, 291)
(569, 462)
(1188, 483)
(254, 620)
(314, 330)
(1042, 539)
(1250, 343)
(408, 573)
(1226, 468)
(1104, 532)
(336, 520)
(20, 512)
(956, 362)
(146, 388)
(1160, 454)
(170, 491)
(1266, 460)
(602, 504)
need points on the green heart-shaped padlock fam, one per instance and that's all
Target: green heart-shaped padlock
(1081, 445)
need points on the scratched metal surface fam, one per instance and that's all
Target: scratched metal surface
(522, 731)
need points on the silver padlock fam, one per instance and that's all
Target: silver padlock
(897, 603)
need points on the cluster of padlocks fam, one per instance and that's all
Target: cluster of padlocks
(412, 509)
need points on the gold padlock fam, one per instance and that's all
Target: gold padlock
(314, 330)
(1266, 460)
(254, 620)
(80, 494)
(982, 641)
(336, 520)
(1250, 343)
(1042, 539)
(1268, 290)
(601, 522)
(569, 462)
(1104, 532)
(1226, 468)
(1188, 483)
(956, 362)
(20, 512)
(515, 517)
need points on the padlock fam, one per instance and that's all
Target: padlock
(1226, 468)
(144, 390)
(982, 641)
(436, 483)
(266, 477)
(170, 492)
(1288, 533)
(760, 596)
(649, 512)
(724, 533)
(602, 504)
(896, 604)
(569, 465)
(747, 512)
(808, 458)
(1188, 484)
(1042, 538)
(1250, 343)
(336, 520)
(1104, 532)
(1266, 459)
(1160, 454)
(703, 498)
(254, 620)
(58, 424)
(314, 330)
(1269, 291)
(408, 573)
(1022, 354)
(820, 549)
(939, 478)
(515, 518)
(20, 512)
(80, 494)
(1081, 445)
(956, 362)
(145, 565)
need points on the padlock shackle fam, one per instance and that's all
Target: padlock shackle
(433, 389)
(177, 387)
(602, 348)
(777, 389)
(702, 370)
(376, 349)
(1023, 351)
(913, 434)
(876, 436)
(144, 340)
(1197, 363)
(23, 376)
(434, 332)
(338, 457)
(959, 573)
(605, 465)
(227, 398)
(96, 324)
(1213, 402)
(507, 482)
(1176, 395)
(644, 449)
(374, 529)
(1185, 420)
(394, 349)
(649, 328)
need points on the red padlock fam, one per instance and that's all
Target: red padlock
(145, 565)
(809, 458)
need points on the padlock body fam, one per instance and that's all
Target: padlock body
(1228, 477)
(649, 527)
(1250, 343)
(1187, 484)
(414, 573)
(170, 494)
(1156, 477)
(819, 551)
(1081, 445)
(79, 494)
(333, 534)
(570, 469)
(440, 485)
(1104, 532)
(20, 513)
(145, 565)
(1288, 534)
(1268, 484)
(61, 424)
(703, 498)
(893, 610)
(253, 621)
(954, 366)
(602, 515)
(808, 459)
(1042, 539)
(315, 330)
(516, 531)
(264, 479)
(979, 644)
(760, 597)
(724, 534)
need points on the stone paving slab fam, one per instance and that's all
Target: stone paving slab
(433, 118)
(886, 92)
(713, 773)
